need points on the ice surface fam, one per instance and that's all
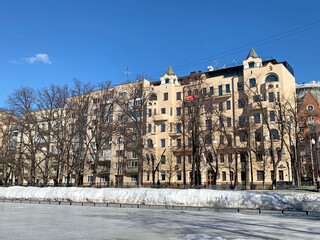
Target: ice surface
(24, 221)
(293, 200)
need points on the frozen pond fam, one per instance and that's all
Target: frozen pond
(32, 221)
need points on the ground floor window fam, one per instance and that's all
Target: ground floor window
(243, 176)
(163, 176)
(147, 176)
(134, 178)
(260, 175)
(281, 178)
(224, 176)
(90, 178)
(178, 176)
(231, 175)
(105, 179)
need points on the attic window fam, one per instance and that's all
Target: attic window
(310, 108)
(251, 64)
(167, 80)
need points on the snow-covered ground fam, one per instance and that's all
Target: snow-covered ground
(293, 200)
(21, 221)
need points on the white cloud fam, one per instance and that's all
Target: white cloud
(40, 57)
(14, 62)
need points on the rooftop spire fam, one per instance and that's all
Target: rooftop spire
(252, 54)
(170, 71)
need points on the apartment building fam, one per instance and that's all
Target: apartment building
(207, 116)
(221, 127)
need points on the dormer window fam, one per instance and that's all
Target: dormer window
(251, 64)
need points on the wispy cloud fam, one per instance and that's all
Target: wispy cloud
(15, 62)
(40, 57)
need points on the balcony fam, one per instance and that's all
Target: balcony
(175, 134)
(160, 118)
(178, 149)
(132, 165)
(104, 162)
(222, 95)
(104, 172)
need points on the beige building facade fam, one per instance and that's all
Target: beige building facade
(220, 127)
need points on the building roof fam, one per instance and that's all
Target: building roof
(170, 71)
(252, 54)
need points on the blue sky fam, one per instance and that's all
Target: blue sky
(44, 42)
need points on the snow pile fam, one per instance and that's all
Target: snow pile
(293, 200)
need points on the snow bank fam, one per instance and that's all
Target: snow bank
(293, 200)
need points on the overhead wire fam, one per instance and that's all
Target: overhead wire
(260, 42)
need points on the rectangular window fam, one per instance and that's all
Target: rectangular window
(90, 178)
(165, 96)
(229, 140)
(163, 110)
(134, 178)
(220, 106)
(258, 136)
(224, 176)
(242, 121)
(179, 142)
(240, 86)
(221, 158)
(189, 159)
(257, 118)
(255, 98)
(171, 111)
(149, 128)
(243, 175)
(260, 175)
(204, 91)
(179, 159)
(228, 105)
(163, 143)
(147, 176)
(221, 124)
(163, 127)
(271, 96)
(228, 122)
(240, 103)
(231, 176)
(211, 90)
(149, 112)
(229, 158)
(242, 137)
(221, 139)
(163, 176)
(178, 110)
(252, 82)
(163, 159)
(154, 128)
(281, 178)
(227, 88)
(272, 116)
(155, 111)
(259, 157)
(272, 174)
(178, 95)
(178, 128)
(178, 176)
(208, 124)
(220, 90)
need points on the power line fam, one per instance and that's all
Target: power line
(260, 42)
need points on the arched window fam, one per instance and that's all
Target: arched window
(275, 134)
(153, 97)
(272, 78)
(251, 64)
